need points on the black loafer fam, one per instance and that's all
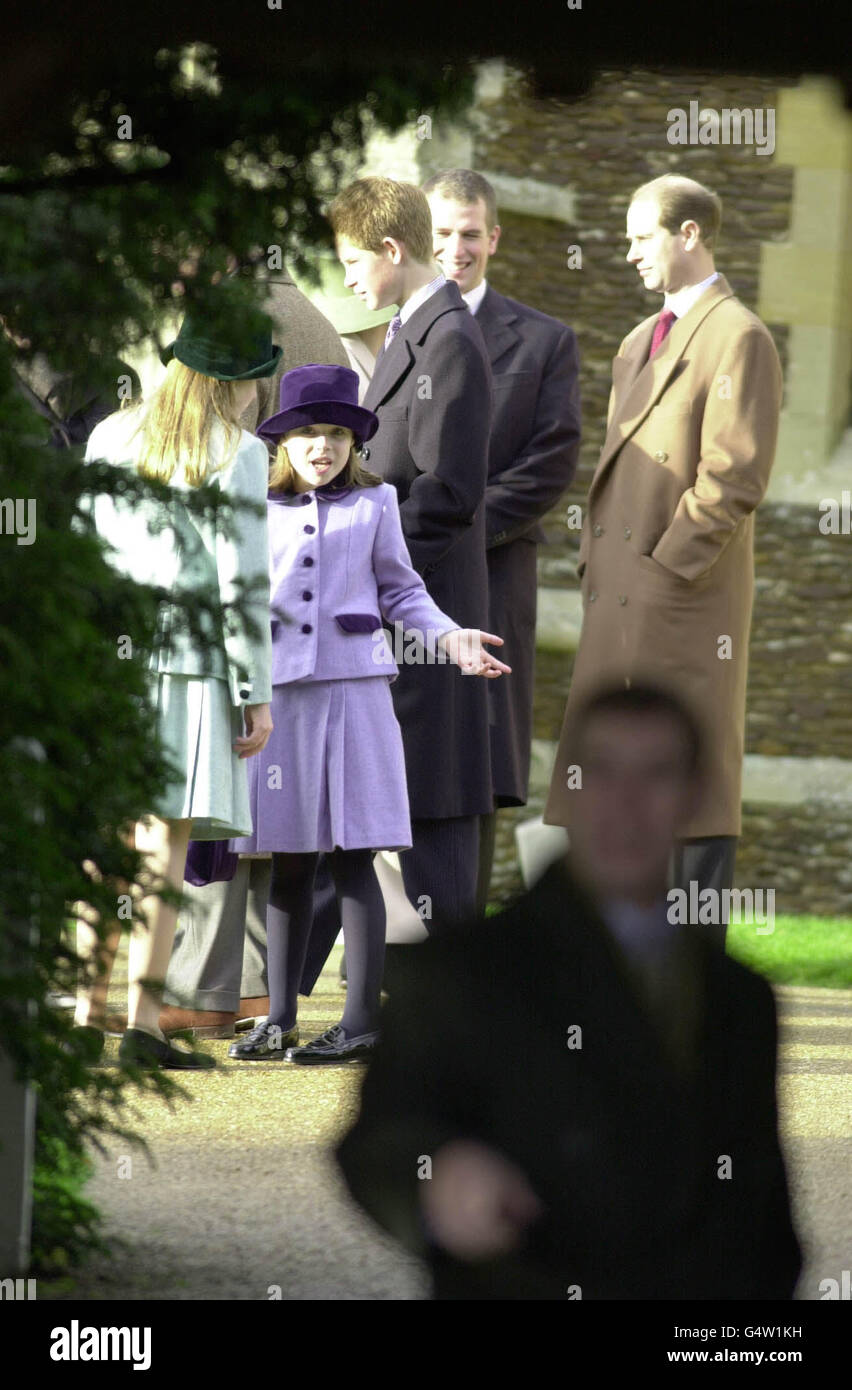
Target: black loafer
(144, 1050)
(265, 1043)
(334, 1046)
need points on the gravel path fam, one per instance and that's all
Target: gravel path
(245, 1201)
(815, 1099)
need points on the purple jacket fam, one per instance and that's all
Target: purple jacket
(338, 565)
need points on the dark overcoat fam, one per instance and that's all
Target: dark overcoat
(535, 439)
(432, 393)
(626, 1151)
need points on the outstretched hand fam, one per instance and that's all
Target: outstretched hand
(465, 647)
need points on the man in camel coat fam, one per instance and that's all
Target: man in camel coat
(666, 560)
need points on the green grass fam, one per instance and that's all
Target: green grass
(800, 951)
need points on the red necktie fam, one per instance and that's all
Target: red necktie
(661, 328)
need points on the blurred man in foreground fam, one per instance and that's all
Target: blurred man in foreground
(577, 1099)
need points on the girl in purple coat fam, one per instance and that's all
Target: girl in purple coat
(332, 776)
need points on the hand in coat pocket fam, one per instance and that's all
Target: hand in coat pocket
(659, 575)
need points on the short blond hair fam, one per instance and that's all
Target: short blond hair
(681, 199)
(374, 208)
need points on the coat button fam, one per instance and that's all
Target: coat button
(307, 561)
(660, 456)
(306, 627)
(306, 501)
(597, 530)
(306, 595)
(627, 533)
(310, 529)
(592, 596)
(622, 598)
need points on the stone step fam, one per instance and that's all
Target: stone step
(767, 781)
(560, 613)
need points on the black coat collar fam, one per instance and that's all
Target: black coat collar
(395, 363)
(495, 317)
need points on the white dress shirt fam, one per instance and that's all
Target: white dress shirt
(420, 296)
(682, 301)
(474, 297)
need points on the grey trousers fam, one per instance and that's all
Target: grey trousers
(219, 955)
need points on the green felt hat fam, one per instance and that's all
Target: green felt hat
(343, 309)
(207, 348)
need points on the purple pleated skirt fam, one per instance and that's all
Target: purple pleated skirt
(332, 773)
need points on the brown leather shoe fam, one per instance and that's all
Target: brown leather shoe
(200, 1023)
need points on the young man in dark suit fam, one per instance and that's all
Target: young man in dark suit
(576, 1099)
(535, 441)
(431, 390)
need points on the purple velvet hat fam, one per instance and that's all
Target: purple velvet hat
(320, 394)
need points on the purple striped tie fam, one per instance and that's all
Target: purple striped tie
(393, 328)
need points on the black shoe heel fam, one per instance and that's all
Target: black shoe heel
(143, 1050)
